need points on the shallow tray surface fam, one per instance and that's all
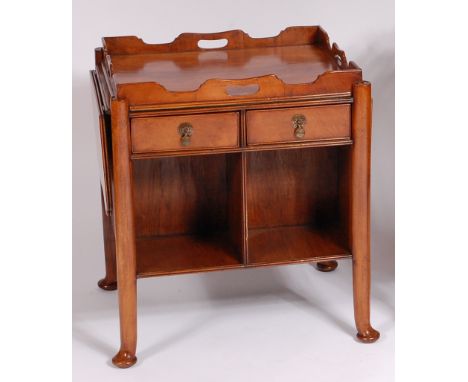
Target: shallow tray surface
(186, 71)
(298, 62)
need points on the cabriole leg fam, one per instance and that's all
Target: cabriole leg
(125, 235)
(360, 209)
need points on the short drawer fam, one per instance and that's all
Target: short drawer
(185, 132)
(298, 124)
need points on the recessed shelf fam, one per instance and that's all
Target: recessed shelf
(267, 246)
(189, 210)
(297, 206)
(294, 244)
(188, 214)
(184, 254)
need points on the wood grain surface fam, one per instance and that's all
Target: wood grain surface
(217, 130)
(276, 126)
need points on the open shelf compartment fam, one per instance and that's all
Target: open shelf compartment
(188, 215)
(221, 211)
(297, 203)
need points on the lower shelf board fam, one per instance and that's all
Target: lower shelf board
(184, 254)
(293, 244)
(166, 255)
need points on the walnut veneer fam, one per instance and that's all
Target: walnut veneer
(256, 153)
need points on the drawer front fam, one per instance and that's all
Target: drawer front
(185, 132)
(298, 124)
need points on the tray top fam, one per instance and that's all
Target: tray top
(299, 61)
(186, 71)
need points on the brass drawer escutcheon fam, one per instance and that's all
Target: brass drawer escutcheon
(299, 120)
(185, 131)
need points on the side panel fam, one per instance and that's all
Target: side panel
(103, 137)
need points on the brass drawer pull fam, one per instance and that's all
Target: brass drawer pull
(299, 120)
(185, 131)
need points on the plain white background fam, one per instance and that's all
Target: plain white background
(35, 196)
(290, 323)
